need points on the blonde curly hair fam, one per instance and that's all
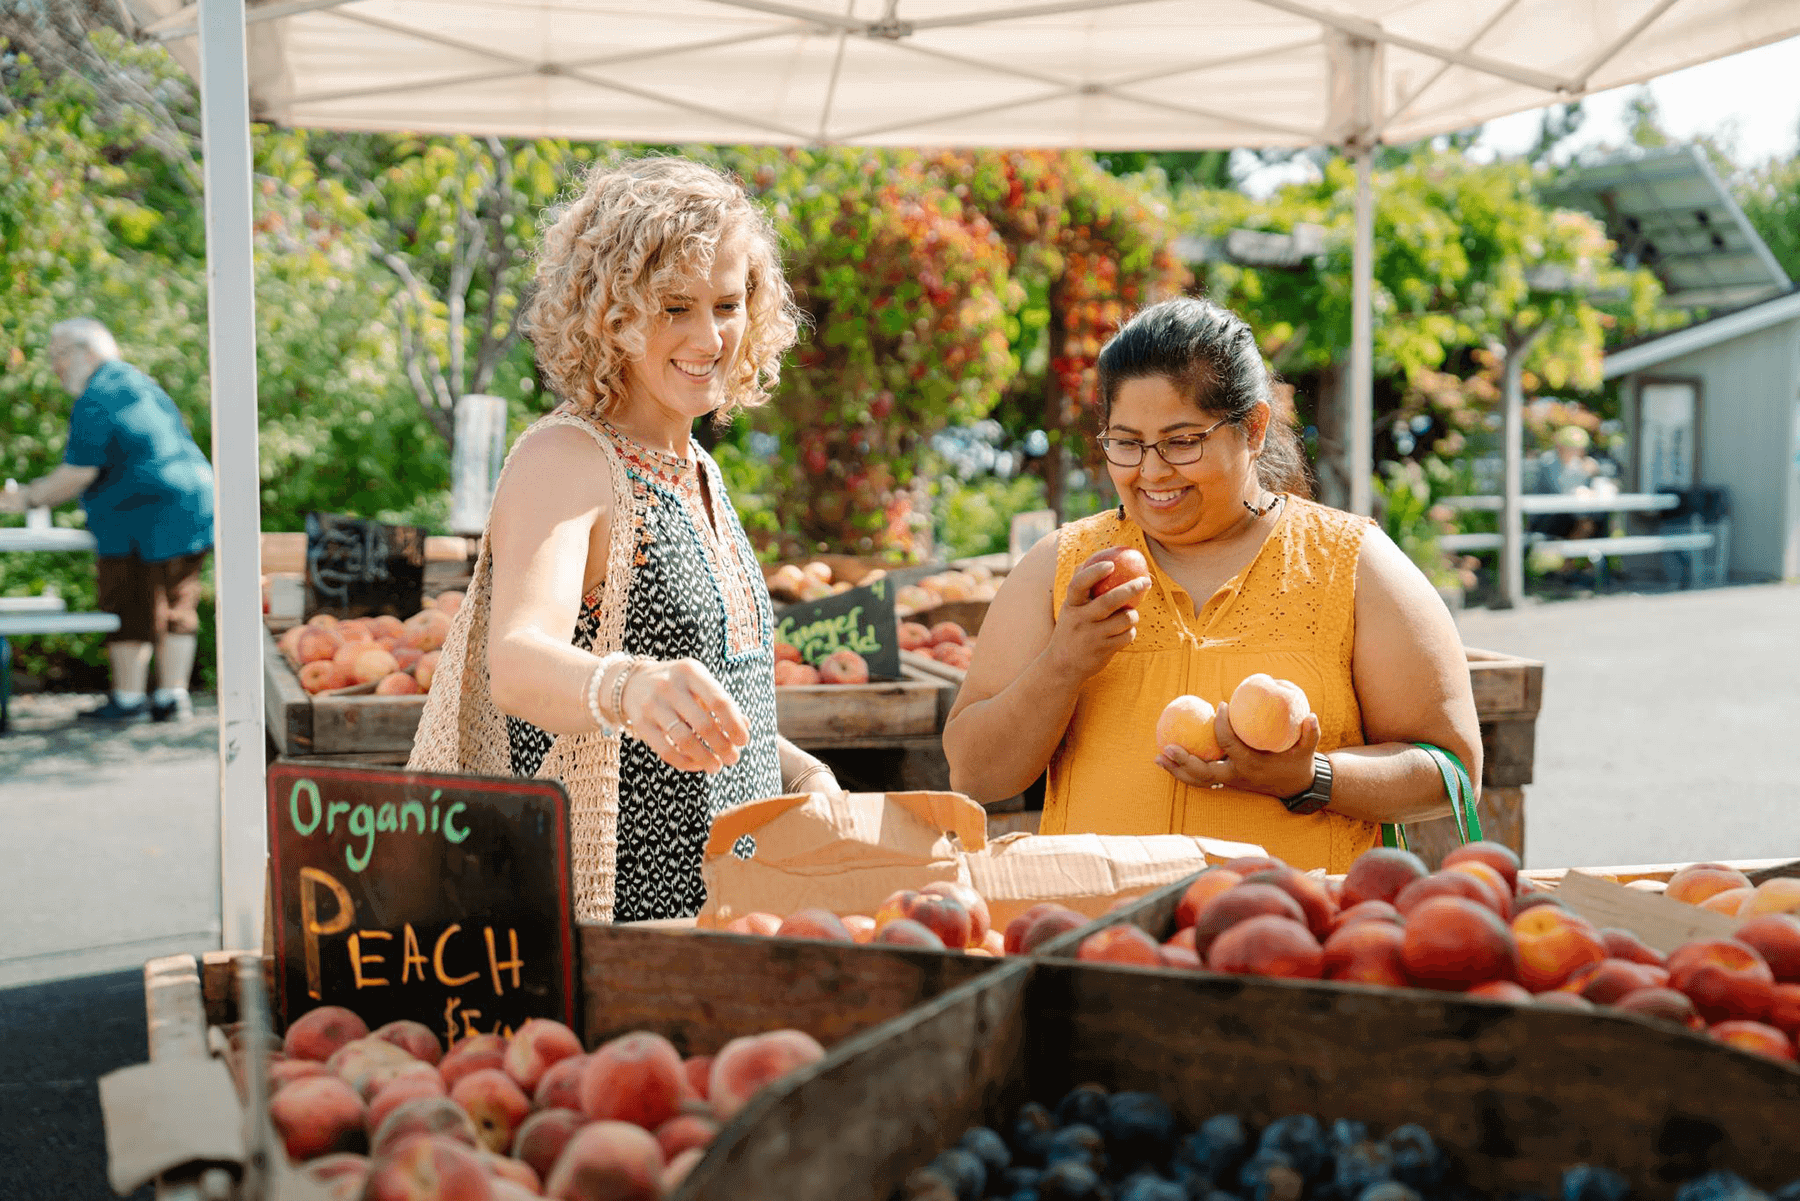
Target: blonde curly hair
(639, 230)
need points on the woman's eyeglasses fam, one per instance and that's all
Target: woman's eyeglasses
(1177, 451)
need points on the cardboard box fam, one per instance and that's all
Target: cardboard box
(849, 852)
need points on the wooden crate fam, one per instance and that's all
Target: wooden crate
(374, 729)
(1508, 692)
(1514, 1093)
(846, 715)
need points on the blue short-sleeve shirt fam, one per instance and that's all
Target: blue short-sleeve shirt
(154, 494)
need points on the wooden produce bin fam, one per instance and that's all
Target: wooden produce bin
(883, 736)
(347, 730)
(1513, 1093)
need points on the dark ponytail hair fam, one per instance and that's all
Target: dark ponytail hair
(1210, 356)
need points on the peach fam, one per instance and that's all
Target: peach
(1755, 1037)
(449, 602)
(860, 925)
(821, 924)
(1776, 937)
(1605, 982)
(343, 1174)
(398, 1091)
(560, 1085)
(1553, 943)
(397, 683)
(1780, 895)
(1380, 874)
(386, 625)
(372, 664)
(948, 631)
(425, 670)
(1453, 942)
(678, 1169)
(495, 1103)
(1695, 883)
(318, 1033)
(1448, 884)
(471, 1054)
(635, 1078)
(1531, 900)
(286, 1071)
(745, 1065)
(789, 674)
(914, 636)
(1663, 1003)
(423, 1115)
(698, 1069)
(354, 630)
(1558, 999)
(322, 621)
(1623, 944)
(513, 1171)
(787, 652)
(317, 1116)
(415, 1038)
(1724, 978)
(1123, 943)
(323, 675)
(1266, 713)
(1267, 945)
(942, 915)
(543, 1135)
(980, 920)
(953, 654)
(904, 932)
(843, 667)
(1784, 1009)
(1244, 865)
(684, 1131)
(345, 656)
(289, 642)
(607, 1161)
(1367, 911)
(1174, 955)
(1367, 952)
(1049, 926)
(1497, 885)
(1727, 902)
(425, 629)
(754, 923)
(1207, 885)
(1239, 904)
(535, 1047)
(434, 1166)
(1500, 990)
(1496, 855)
(1127, 565)
(1308, 891)
(315, 645)
(1187, 722)
(1015, 929)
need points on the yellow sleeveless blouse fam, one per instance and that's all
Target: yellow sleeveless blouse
(1290, 613)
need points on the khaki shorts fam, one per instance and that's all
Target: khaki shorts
(151, 599)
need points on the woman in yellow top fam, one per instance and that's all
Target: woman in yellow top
(1245, 577)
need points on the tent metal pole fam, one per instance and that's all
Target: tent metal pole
(237, 482)
(1512, 440)
(1361, 447)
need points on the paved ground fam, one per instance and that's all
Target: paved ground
(1669, 725)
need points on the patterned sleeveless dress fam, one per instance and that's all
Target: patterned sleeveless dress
(696, 592)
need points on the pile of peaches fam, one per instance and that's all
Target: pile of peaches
(1724, 889)
(1471, 927)
(842, 666)
(943, 915)
(390, 1114)
(946, 587)
(946, 641)
(792, 582)
(398, 657)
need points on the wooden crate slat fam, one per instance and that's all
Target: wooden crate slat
(345, 724)
(287, 707)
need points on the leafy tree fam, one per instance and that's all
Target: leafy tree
(1770, 196)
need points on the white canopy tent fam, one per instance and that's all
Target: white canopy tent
(1128, 74)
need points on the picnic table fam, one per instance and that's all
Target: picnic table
(1696, 541)
(47, 614)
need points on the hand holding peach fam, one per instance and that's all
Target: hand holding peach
(1276, 774)
(1090, 630)
(1268, 713)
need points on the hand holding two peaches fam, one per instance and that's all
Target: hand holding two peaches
(1262, 740)
(1099, 611)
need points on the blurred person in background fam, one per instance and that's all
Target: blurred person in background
(148, 491)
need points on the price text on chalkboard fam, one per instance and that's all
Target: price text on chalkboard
(861, 620)
(444, 899)
(358, 568)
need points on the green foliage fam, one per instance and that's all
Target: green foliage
(1407, 502)
(1770, 196)
(975, 518)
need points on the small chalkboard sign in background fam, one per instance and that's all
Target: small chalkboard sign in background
(861, 619)
(440, 898)
(358, 568)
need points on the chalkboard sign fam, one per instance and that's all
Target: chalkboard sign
(861, 619)
(358, 568)
(440, 898)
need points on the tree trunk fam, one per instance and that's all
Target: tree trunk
(1331, 467)
(1055, 403)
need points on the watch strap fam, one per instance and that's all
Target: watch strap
(1317, 794)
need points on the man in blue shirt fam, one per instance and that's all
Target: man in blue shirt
(148, 492)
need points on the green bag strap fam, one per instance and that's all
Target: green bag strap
(1393, 834)
(1460, 790)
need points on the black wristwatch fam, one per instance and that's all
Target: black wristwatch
(1318, 794)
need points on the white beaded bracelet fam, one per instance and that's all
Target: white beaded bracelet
(606, 663)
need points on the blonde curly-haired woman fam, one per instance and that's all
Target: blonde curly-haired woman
(617, 636)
